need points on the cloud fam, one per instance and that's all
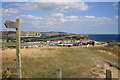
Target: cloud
(0, 11)
(57, 0)
(115, 4)
(117, 17)
(9, 12)
(56, 6)
(58, 14)
(37, 21)
(17, 0)
(90, 17)
(42, 0)
(58, 19)
(60, 0)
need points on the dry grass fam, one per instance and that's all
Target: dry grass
(42, 62)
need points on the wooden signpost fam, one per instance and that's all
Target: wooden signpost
(16, 25)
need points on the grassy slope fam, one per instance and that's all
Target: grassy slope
(75, 62)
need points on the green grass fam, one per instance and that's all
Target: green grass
(13, 44)
(8, 44)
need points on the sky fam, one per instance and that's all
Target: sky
(71, 17)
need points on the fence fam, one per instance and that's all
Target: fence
(7, 74)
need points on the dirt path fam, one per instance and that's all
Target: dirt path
(101, 71)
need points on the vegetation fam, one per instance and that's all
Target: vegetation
(13, 44)
(44, 37)
(43, 62)
(8, 37)
(5, 45)
(113, 48)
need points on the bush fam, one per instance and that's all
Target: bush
(76, 44)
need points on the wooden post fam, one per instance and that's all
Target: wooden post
(16, 25)
(59, 74)
(108, 75)
(18, 55)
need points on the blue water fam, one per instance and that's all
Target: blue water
(105, 37)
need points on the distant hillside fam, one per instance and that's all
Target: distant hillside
(23, 33)
(52, 33)
(43, 36)
(62, 36)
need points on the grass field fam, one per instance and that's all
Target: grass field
(13, 45)
(75, 62)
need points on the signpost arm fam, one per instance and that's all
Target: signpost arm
(18, 55)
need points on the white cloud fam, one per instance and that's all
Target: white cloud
(12, 11)
(55, 20)
(57, 6)
(58, 14)
(90, 17)
(29, 18)
(115, 4)
(60, 0)
(37, 21)
(57, 0)
(32, 17)
(0, 11)
(72, 17)
(17, 0)
(42, 0)
(9, 12)
(117, 17)
(104, 19)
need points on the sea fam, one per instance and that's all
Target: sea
(104, 37)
